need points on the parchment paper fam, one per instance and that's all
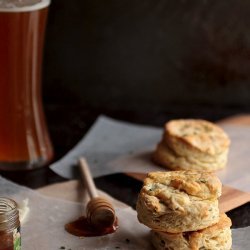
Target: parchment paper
(113, 146)
(44, 227)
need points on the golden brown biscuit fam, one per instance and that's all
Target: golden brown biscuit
(216, 237)
(198, 135)
(166, 157)
(192, 144)
(179, 201)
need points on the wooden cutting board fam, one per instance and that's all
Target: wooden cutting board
(231, 197)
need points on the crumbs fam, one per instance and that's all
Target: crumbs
(126, 240)
(64, 248)
(116, 247)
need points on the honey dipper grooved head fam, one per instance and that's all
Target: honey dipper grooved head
(100, 213)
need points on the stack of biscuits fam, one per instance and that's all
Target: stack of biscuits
(192, 144)
(181, 208)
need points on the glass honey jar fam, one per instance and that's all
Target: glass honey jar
(10, 237)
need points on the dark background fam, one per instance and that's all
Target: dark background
(144, 61)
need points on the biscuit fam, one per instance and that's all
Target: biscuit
(216, 237)
(179, 201)
(192, 144)
(168, 158)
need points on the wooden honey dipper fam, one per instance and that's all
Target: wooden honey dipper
(99, 212)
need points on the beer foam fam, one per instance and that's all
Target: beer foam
(22, 5)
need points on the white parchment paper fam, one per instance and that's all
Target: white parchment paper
(113, 146)
(44, 227)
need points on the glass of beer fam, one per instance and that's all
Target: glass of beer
(24, 139)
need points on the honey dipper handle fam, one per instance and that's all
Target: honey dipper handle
(86, 175)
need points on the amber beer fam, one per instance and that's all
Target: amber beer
(24, 140)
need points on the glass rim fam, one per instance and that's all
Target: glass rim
(28, 8)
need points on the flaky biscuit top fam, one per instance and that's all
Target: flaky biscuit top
(177, 189)
(200, 134)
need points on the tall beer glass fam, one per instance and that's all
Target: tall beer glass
(24, 140)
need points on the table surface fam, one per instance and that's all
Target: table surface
(119, 186)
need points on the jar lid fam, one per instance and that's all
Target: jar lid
(9, 215)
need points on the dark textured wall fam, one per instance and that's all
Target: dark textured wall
(133, 53)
